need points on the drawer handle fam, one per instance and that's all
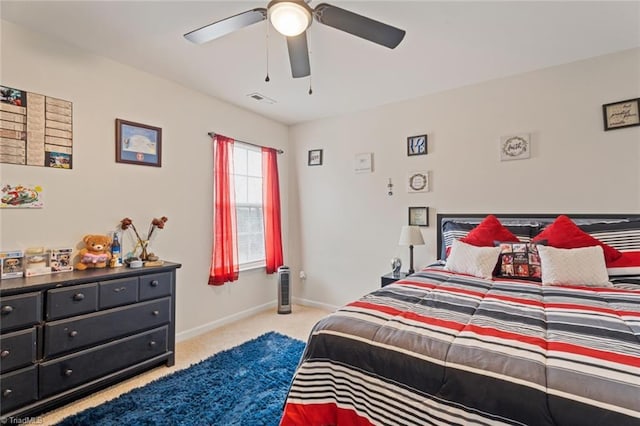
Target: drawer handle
(68, 372)
(7, 309)
(4, 354)
(78, 296)
(74, 333)
(119, 289)
(7, 392)
(156, 313)
(154, 283)
(152, 343)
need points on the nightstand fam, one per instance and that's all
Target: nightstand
(390, 278)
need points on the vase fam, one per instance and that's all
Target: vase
(144, 255)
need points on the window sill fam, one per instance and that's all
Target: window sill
(252, 266)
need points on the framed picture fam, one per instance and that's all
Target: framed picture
(418, 181)
(363, 163)
(418, 216)
(515, 147)
(315, 157)
(21, 196)
(417, 145)
(618, 115)
(138, 143)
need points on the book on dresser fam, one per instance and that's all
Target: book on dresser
(67, 335)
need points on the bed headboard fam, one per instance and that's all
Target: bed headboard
(526, 219)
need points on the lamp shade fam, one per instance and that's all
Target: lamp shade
(411, 236)
(289, 18)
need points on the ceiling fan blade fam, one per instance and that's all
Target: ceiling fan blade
(358, 25)
(299, 55)
(226, 26)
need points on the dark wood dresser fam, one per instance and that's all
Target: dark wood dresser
(67, 335)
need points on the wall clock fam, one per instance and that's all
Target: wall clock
(418, 181)
(417, 145)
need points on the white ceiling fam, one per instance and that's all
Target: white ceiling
(448, 45)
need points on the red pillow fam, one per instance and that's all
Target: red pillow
(488, 231)
(563, 233)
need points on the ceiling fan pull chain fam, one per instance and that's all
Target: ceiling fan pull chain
(309, 43)
(267, 79)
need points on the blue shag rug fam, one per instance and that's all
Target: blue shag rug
(245, 385)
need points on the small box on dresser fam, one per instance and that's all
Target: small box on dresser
(65, 336)
(11, 264)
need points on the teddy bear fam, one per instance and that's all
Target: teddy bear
(96, 253)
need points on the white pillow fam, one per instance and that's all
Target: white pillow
(477, 261)
(578, 266)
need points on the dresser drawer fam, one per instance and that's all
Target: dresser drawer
(18, 388)
(66, 302)
(73, 370)
(73, 333)
(20, 311)
(155, 285)
(118, 292)
(17, 349)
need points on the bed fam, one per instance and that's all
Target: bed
(444, 347)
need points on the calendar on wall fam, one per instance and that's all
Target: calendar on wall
(35, 130)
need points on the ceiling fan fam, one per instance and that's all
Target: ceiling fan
(291, 18)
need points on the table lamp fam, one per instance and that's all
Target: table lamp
(411, 236)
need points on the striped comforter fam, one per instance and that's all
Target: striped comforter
(439, 348)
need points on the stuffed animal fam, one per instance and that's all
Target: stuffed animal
(96, 253)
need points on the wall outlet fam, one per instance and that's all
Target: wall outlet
(303, 275)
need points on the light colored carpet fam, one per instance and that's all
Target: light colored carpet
(298, 324)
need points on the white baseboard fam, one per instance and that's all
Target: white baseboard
(314, 304)
(196, 331)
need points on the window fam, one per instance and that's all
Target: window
(247, 175)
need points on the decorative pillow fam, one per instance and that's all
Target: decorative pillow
(563, 233)
(477, 261)
(488, 231)
(453, 229)
(519, 261)
(580, 266)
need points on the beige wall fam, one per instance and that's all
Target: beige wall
(98, 192)
(339, 226)
(349, 227)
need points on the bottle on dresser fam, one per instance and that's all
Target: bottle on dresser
(116, 252)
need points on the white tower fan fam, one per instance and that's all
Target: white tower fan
(284, 290)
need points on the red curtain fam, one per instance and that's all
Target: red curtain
(271, 210)
(224, 261)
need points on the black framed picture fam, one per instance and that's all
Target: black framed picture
(138, 143)
(315, 157)
(618, 115)
(417, 145)
(418, 216)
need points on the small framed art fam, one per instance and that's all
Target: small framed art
(515, 147)
(363, 163)
(418, 216)
(417, 145)
(418, 181)
(621, 114)
(315, 157)
(138, 143)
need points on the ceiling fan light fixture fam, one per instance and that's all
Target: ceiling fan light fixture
(289, 18)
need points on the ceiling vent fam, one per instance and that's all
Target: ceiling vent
(261, 98)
